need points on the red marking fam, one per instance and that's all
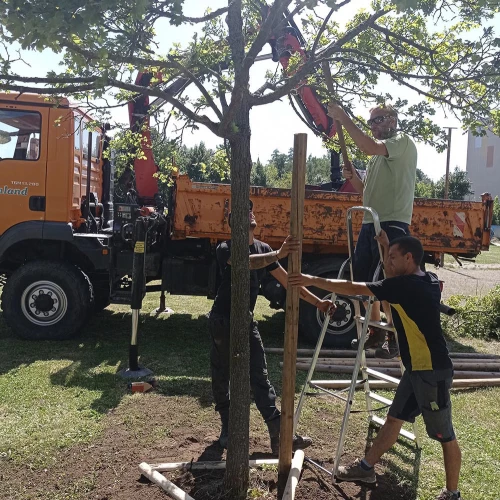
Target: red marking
(459, 222)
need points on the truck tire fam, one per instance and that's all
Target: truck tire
(342, 327)
(47, 300)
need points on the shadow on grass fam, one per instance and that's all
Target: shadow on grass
(176, 348)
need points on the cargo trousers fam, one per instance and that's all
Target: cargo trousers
(263, 392)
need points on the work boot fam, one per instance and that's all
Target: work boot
(224, 431)
(448, 495)
(375, 337)
(356, 473)
(299, 442)
(389, 348)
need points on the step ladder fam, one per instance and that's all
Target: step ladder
(360, 363)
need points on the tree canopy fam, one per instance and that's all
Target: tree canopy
(446, 52)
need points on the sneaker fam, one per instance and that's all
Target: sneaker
(389, 348)
(355, 472)
(448, 495)
(299, 443)
(375, 337)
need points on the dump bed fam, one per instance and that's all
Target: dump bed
(200, 210)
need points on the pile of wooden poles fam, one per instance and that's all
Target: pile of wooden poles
(471, 369)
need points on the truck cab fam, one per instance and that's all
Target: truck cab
(50, 252)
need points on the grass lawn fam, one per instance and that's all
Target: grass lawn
(492, 256)
(56, 396)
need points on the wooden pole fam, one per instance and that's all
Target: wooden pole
(292, 313)
(458, 364)
(153, 475)
(340, 133)
(345, 353)
(293, 478)
(164, 467)
(394, 372)
(382, 384)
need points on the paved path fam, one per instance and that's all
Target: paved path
(473, 280)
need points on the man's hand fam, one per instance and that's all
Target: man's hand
(289, 245)
(326, 306)
(298, 279)
(336, 112)
(348, 170)
(383, 239)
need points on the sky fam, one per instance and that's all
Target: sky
(274, 125)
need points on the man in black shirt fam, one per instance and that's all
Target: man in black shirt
(262, 259)
(415, 298)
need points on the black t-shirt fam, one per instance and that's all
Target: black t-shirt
(222, 302)
(415, 311)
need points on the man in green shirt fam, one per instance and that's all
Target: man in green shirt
(388, 188)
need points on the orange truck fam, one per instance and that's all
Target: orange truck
(66, 248)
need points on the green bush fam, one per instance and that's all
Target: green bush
(476, 316)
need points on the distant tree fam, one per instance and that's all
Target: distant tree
(258, 175)
(459, 185)
(496, 211)
(425, 189)
(282, 162)
(424, 186)
(318, 170)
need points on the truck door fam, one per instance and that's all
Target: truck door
(23, 164)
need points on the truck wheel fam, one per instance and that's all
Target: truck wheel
(47, 300)
(342, 327)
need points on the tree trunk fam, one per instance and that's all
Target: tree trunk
(237, 470)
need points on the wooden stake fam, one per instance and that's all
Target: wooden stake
(394, 372)
(292, 313)
(293, 478)
(345, 353)
(340, 133)
(458, 364)
(163, 467)
(174, 491)
(381, 384)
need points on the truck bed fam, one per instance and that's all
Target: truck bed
(200, 210)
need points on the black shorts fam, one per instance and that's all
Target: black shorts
(366, 254)
(426, 393)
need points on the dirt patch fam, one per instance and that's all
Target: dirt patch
(155, 428)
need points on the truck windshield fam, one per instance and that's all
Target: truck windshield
(19, 134)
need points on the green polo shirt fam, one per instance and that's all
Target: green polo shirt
(389, 186)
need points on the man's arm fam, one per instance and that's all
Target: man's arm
(384, 245)
(341, 287)
(324, 305)
(261, 260)
(364, 142)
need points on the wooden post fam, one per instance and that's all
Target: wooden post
(325, 66)
(293, 478)
(292, 313)
(166, 485)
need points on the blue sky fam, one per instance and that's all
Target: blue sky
(274, 125)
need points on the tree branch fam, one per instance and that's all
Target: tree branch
(156, 92)
(316, 60)
(192, 20)
(402, 38)
(199, 85)
(321, 30)
(52, 80)
(276, 11)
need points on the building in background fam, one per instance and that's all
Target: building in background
(483, 164)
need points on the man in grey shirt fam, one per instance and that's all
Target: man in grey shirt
(388, 188)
